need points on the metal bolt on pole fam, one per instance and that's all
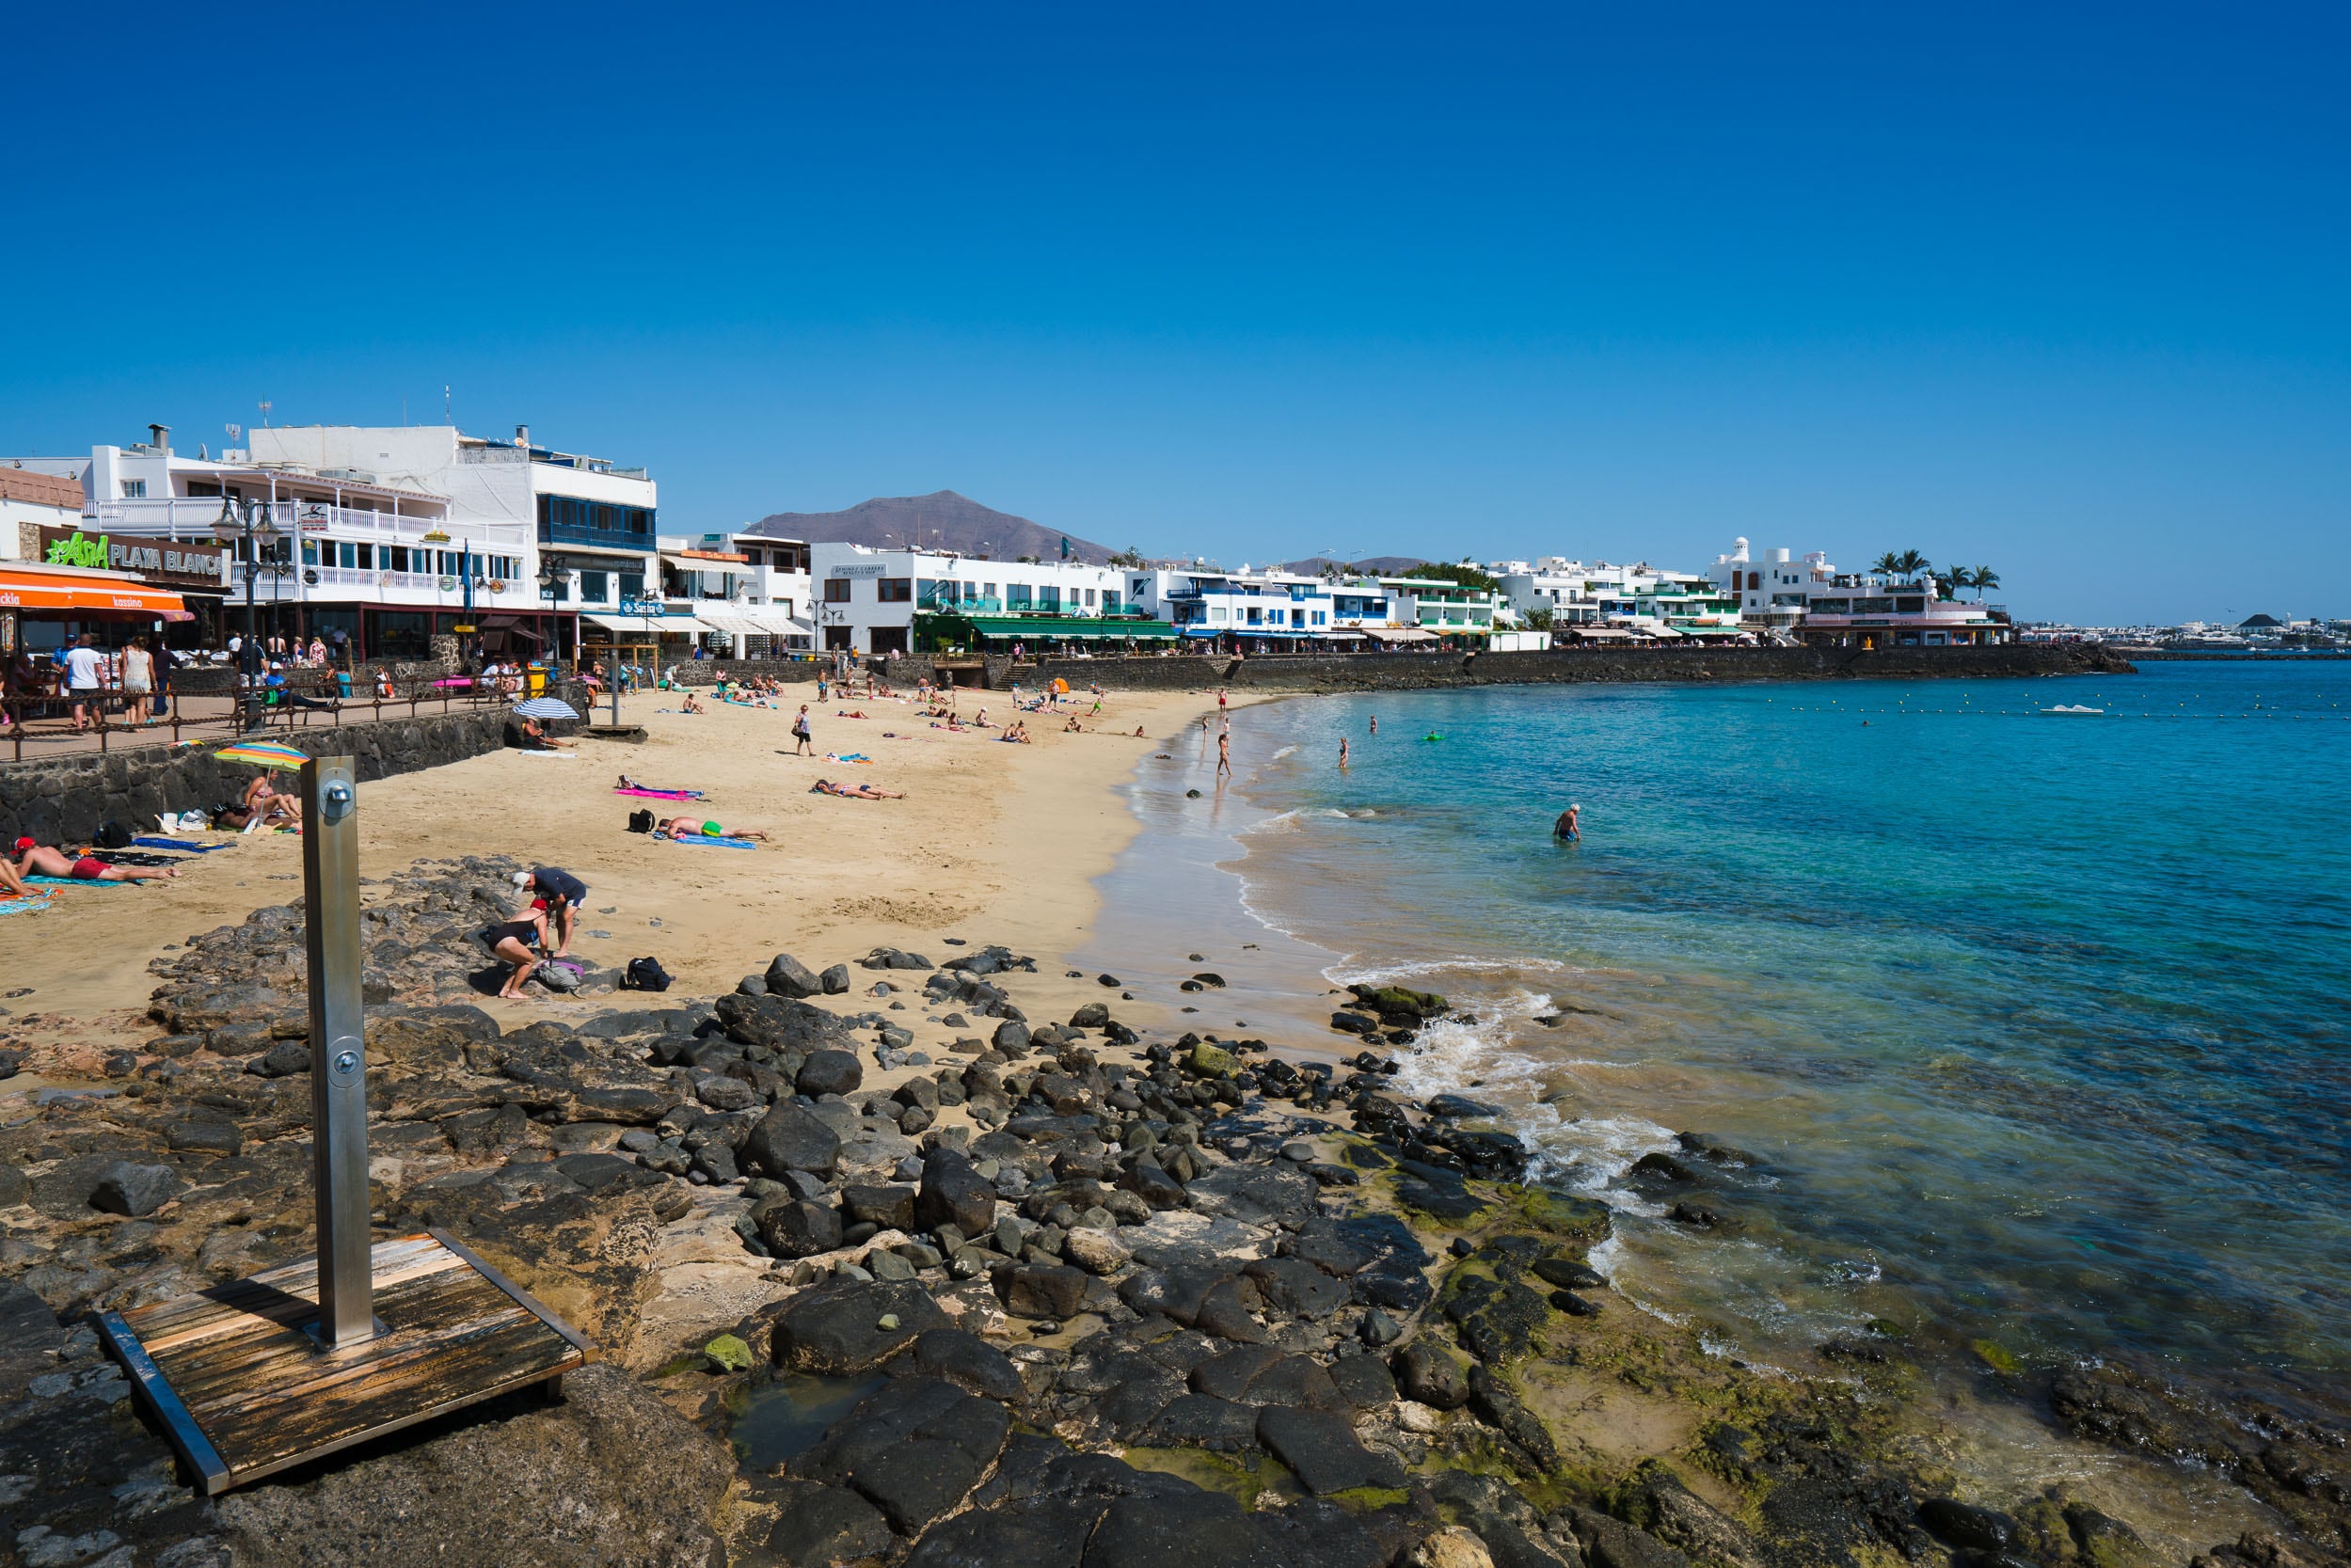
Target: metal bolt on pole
(330, 884)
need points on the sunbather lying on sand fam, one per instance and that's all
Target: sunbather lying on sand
(861, 792)
(38, 859)
(688, 827)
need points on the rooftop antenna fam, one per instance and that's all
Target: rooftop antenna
(445, 414)
(265, 411)
(234, 430)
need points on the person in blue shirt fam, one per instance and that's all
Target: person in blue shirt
(564, 894)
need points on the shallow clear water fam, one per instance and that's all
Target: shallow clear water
(2039, 1025)
(781, 1418)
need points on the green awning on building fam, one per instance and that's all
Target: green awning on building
(1057, 628)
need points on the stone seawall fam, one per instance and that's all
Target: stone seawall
(1419, 672)
(63, 799)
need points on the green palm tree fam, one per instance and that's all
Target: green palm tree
(1910, 564)
(1981, 579)
(1889, 564)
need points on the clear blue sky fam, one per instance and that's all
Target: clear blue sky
(2062, 290)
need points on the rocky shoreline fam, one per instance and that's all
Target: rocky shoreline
(961, 1286)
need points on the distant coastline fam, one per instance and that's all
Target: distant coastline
(2233, 655)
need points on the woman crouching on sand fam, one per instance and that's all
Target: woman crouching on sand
(517, 941)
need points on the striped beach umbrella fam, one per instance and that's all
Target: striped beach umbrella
(262, 754)
(546, 707)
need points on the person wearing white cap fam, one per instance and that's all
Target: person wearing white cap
(1565, 827)
(564, 894)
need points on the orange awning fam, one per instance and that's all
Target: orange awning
(75, 593)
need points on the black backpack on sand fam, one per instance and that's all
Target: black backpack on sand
(112, 835)
(645, 974)
(641, 822)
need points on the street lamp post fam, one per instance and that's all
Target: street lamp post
(554, 571)
(241, 530)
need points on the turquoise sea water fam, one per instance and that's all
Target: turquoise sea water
(2039, 1026)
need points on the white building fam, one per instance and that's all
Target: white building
(1437, 608)
(384, 563)
(30, 503)
(1253, 611)
(741, 594)
(869, 601)
(1277, 612)
(1555, 584)
(586, 528)
(1812, 600)
(1637, 598)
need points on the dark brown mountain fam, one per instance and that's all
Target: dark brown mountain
(942, 520)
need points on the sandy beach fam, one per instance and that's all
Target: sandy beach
(993, 843)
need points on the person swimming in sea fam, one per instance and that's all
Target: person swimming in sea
(1566, 828)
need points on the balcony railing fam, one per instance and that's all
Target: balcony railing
(340, 582)
(194, 518)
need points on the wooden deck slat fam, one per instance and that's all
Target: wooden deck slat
(298, 1278)
(262, 1394)
(194, 1368)
(297, 1374)
(228, 1366)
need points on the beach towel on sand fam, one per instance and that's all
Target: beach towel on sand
(721, 843)
(661, 794)
(188, 844)
(75, 881)
(11, 903)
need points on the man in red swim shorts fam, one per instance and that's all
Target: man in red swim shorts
(38, 860)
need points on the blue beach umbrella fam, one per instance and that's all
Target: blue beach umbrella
(546, 707)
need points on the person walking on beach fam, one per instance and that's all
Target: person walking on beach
(1224, 755)
(1566, 829)
(804, 744)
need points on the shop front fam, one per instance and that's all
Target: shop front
(197, 573)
